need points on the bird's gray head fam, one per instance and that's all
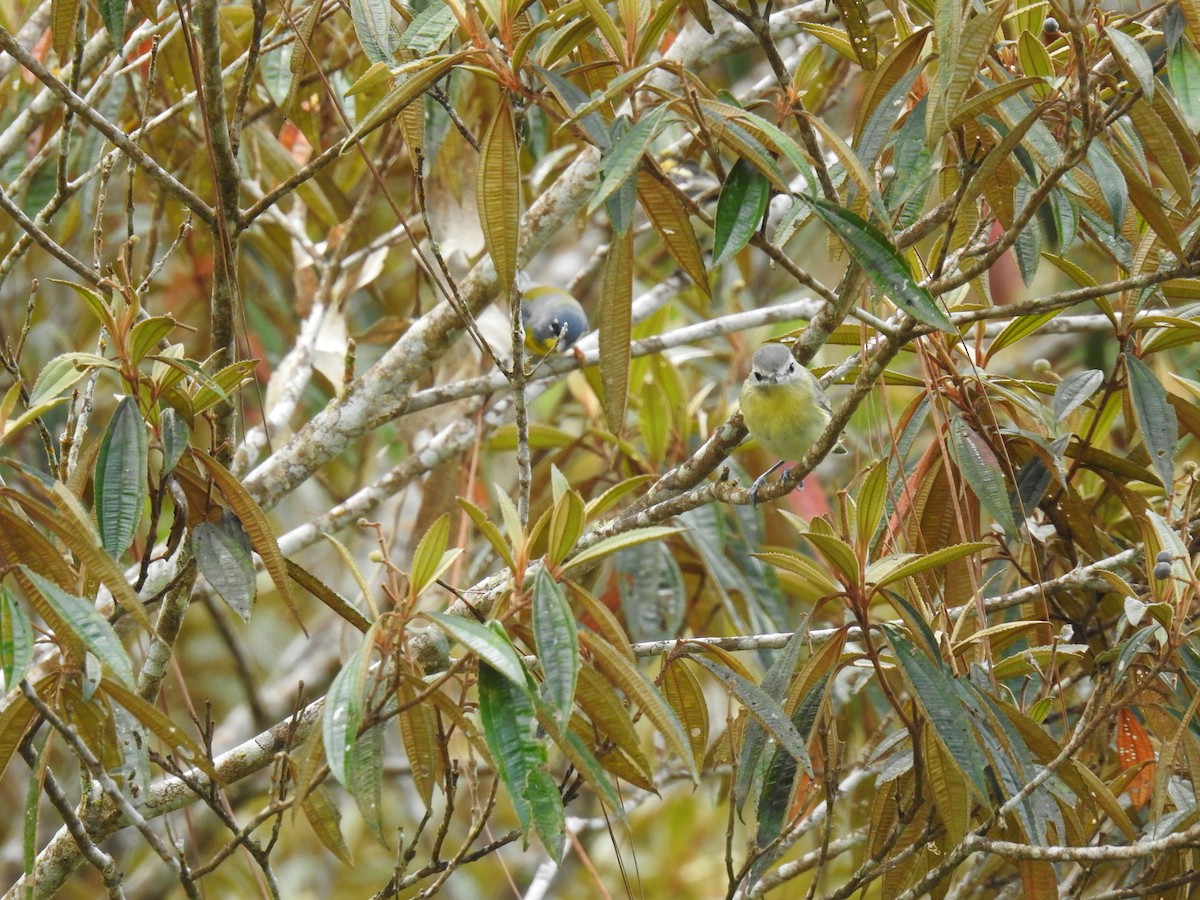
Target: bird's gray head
(772, 363)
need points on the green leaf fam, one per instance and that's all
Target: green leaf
(981, 469)
(87, 625)
(805, 569)
(489, 530)
(566, 525)
(254, 521)
(883, 264)
(872, 500)
(775, 684)
(113, 14)
(653, 596)
(765, 710)
(427, 557)
(343, 713)
(1028, 245)
(722, 118)
(16, 639)
(617, 542)
(1074, 391)
(1020, 328)
(775, 798)
(621, 163)
(175, 436)
(740, 210)
(62, 372)
(768, 132)
(506, 713)
(1155, 417)
(943, 556)
(364, 778)
(1111, 181)
(421, 75)
(484, 643)
(121, 478)
(429, 29)
(373, 26)
(1183, 68)
(557, 645)
(931, 690)
(222, 385)
(224, 555)
(145, 335)
(1133, 59)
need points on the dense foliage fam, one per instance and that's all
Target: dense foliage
(317, 583)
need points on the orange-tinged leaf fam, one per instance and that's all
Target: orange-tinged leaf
(1105, 799)
(894, 66)
(300, 52)
(616, 328)
(327, 595)
(600, 702)
(15, 717)
(1159, 140)
(323, 816)
(1133, 748)
(1038, 881)
(63, 16)
(22, 542)
(598, 617)
(610, 756)
(421, 744)
(951, 796)
(885, 811)
(862, 38)
(498, 193)
(1170, 749)
(674, 226)
(683, 691)
(1150, 206)
(161, 726)
(75, 531)
(636, 687)
(1191, 12)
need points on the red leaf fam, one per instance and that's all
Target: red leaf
(1133, 748)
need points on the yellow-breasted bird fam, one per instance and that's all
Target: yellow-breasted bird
(553, 319)
(783, 407)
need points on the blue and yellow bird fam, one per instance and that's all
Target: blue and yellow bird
(553, 319)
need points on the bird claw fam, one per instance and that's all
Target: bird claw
(762, 480)
(756, 487)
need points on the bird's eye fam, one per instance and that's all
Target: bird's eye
(791, 368)
(758, 376)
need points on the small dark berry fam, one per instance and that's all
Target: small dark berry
(1162, 571)
(1163, 556)
(1050, 26)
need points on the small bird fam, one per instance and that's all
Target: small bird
(553, 319)
(783, 407)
